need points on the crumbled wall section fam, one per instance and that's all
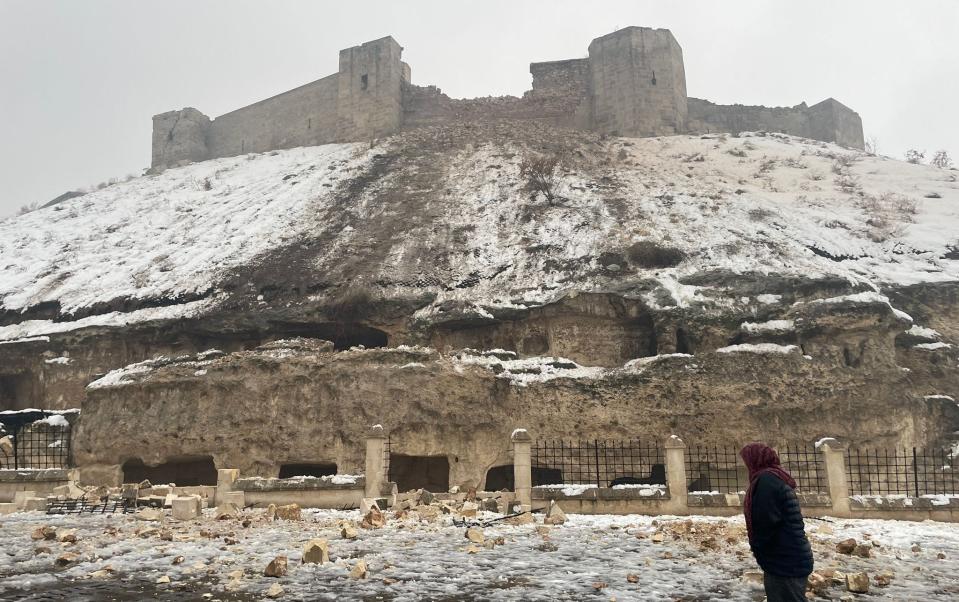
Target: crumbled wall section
(632, 84)
(829, 120)
(180, 136)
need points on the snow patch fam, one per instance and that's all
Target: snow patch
(758, 348)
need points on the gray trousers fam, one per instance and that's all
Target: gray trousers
(784, 589)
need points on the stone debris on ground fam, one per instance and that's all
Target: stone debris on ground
(248, 553)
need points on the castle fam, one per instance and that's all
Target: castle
(632, 84)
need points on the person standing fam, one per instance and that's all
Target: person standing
(774, 523)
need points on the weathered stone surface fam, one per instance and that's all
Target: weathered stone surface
(186, 507)
(554, 514)
(316, 551)
(227, 510)
(857, 583)
(276, 568)
(359, 570)
(475, 535)
(288, 512)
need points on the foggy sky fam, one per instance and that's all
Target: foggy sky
(80, 80)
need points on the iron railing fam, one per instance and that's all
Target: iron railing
(902, 471)
(806, 465)
(715, 468)
(603, 463)
(36, 446)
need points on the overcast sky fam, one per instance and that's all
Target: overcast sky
(79, 81)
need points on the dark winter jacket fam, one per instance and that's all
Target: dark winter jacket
(779, 539)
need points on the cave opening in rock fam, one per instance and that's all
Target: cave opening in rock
(682, 341)
(546, 476)
(431, 473)
(499, 478)
(343, 335)
(185, 471)
(16, 391)
(307, 470)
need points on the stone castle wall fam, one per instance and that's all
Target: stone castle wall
(828, 120)
(632, 84)
(361, 101)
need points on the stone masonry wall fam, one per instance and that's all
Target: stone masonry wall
(638, 83)
(304, 116)
(829, 120)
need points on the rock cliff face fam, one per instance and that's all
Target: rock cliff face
(720, 288)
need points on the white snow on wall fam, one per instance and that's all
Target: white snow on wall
(758, 348)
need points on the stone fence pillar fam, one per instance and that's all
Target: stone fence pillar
(225, 483)
(834, 458)
(523, 468)
(375, 461)
(676, 474)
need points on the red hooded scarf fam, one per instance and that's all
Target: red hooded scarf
(761, 459)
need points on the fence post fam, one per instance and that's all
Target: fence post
(225, 483)
(834, 458)
(375, 461)
(523, 469)
(676, 474)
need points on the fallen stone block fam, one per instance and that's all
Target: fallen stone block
(857, 583)
(469, 509)
(846, 546)
(149, 514)
(359, 570)
(316, 551)
(374, 519)
(186, 508)
(475, 535)
(368, 503)
(288, 512)
(554, 515)
(46, 532)
(276, 568)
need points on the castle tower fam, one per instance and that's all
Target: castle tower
(180, 136)
(638, 83)
(369, 97)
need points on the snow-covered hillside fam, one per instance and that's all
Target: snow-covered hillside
(456, 219)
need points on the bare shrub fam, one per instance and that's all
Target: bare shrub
(648, 254)
(914, 156)
(941, 160)
(794, 162)
(28, 208)
(886, 213)
(847, 183)
(540, 174)
(872, 145)
(766, 165)
(760, 214)
(737, 152)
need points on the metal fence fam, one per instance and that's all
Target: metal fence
(603, 463)
(35, 446)
(901, 471)
(715, 468)
(806, 464)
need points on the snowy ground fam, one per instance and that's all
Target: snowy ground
(588, 558)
